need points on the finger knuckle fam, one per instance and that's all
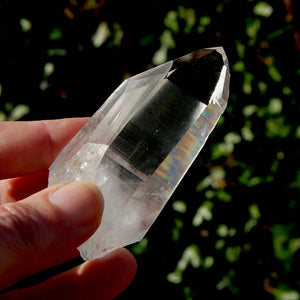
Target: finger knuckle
(19, 227)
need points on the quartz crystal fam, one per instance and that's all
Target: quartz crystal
(139, 144)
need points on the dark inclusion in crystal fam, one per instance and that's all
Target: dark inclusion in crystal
(198, 77)
(153, 132)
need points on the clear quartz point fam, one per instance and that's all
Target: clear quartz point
(139, 144)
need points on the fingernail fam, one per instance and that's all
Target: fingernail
(80, 204)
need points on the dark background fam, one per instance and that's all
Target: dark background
(231, 228)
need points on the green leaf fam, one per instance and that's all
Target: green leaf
(276, 127)
(208, 262)
(283, 249)
(55, 34)
(25, 25)
(101, 34)
(171, 21)
(275, 106)
(189, 16)
(141, 247)
(179, 206)
(263, 9)
(175, 277)
(204, 213)
(232, 254)
(274, 73)
(191, 256)
(254, 211)
(253, 26)
(19, 112)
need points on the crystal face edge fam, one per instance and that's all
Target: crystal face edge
(83, 135)
(166, 177)
(90, 128)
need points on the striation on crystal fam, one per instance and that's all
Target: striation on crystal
(139, 144)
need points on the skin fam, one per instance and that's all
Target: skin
(42, 227)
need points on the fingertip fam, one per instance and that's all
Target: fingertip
(119, 259)
(123, 267)
(93, 192)
(115, 271)
(126, 259)
(80, 203)
(102, 278)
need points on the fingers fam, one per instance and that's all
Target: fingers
(45, 229)
(29, 147)
(15, 189)
(103, 278)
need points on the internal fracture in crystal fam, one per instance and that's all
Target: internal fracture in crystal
(139, 144)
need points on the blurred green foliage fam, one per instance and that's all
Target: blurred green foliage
(232, 227)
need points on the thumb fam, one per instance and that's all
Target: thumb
(45, 229)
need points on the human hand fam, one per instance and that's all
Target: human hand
(42, 227)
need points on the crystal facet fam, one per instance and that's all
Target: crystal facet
(139, 144)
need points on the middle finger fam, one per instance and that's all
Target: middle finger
(19, 188)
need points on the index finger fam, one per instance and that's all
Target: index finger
(29, 147)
